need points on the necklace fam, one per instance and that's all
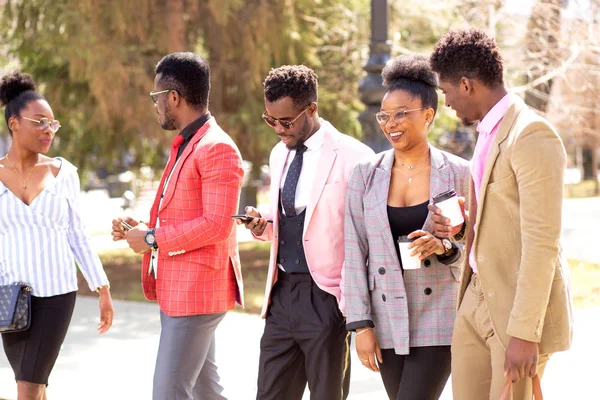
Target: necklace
(410, 178)
(20, 176)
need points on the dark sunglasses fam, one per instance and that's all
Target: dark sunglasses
(272, 122)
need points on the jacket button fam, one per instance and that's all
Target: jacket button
(427, 291)
(383, 297)
(381, 271)
(297, 261)
(170, 253)
(299, 223)
(298, 242)
(282, 260)
(282, 222)
(282, 242)
(427, 263)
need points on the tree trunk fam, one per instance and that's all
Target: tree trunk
(175, 26)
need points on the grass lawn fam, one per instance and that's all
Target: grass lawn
(585, 284)
(581, 189)
(123, 269)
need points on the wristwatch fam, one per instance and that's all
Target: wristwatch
(150, 239)
(447, 245)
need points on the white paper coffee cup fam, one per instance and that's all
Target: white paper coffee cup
(448, 203)
(408, 262)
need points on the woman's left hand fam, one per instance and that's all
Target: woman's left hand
(106, 310)
(426, 244)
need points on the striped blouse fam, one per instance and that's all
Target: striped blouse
(40, 242)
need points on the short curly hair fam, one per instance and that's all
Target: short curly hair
(188, 74)
(295, 81)
(469, 53)
(412, 74)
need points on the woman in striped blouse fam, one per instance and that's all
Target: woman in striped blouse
(41, 233)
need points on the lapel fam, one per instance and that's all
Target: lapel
(328, 156)
(504, 129)
(171, 185)
(440, 180)
(379, 192)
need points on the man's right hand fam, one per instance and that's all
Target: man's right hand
(442, 227)
(258, 224)
(118, 231)
(367, 347)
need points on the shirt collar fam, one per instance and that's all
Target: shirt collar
(493, 117)
(193, 127)
(316, 141)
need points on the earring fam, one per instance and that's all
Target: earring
(427, 123)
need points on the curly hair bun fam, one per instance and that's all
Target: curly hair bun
(13, 84)
(411, 67)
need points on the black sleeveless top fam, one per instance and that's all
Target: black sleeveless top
(405, 220)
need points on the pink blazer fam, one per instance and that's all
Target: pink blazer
(324, 227)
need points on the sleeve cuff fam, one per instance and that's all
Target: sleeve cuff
(451, 259)
(353, 326)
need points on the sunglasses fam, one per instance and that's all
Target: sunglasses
(272, 122)
(154, 95)
(45, 123)
(396, 115)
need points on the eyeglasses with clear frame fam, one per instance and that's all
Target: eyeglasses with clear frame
(272, 122)
(383, 117)
(154, 95)
(45, 123)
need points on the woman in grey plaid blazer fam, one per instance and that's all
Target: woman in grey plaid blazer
(403, 317)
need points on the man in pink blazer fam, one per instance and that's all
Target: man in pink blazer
(305, 338)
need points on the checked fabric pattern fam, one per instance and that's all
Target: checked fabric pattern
(288, 194)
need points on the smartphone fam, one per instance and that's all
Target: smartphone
(126, 226)
(247, 218)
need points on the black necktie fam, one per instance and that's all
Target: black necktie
(288, 194)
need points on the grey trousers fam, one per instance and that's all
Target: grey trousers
(185, 366)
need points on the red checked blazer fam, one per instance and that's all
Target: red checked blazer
(198, 261)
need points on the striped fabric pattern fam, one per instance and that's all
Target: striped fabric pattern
(40, 243)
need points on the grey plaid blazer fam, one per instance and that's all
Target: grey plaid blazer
(414, 310)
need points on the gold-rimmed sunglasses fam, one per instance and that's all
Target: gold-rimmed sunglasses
(272, 122)
(45, 123)
(154, 95)
(397, 116)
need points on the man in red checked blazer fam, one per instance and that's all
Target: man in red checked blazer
(191, 263)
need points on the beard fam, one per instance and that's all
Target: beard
(302, 135)
(168, 123)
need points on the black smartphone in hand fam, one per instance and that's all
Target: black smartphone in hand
(126, 226)
(247, 218)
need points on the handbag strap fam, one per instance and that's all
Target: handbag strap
(506, 393)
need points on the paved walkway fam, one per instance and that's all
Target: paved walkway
(120, 364)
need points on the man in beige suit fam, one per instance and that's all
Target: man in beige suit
(514, 306)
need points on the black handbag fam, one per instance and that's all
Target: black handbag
(15, 307)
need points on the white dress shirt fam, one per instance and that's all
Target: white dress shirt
(40, 242)
(310, 163)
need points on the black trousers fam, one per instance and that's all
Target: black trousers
(420, 375)
(305, 341)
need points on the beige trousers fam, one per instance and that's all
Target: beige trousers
(478, 354)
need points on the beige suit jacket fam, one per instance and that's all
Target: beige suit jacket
(515, 231)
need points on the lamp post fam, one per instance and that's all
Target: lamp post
(370, 87)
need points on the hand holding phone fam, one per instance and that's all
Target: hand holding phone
(247, 218)
(126, 226)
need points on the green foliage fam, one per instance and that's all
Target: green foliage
(94, 62)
